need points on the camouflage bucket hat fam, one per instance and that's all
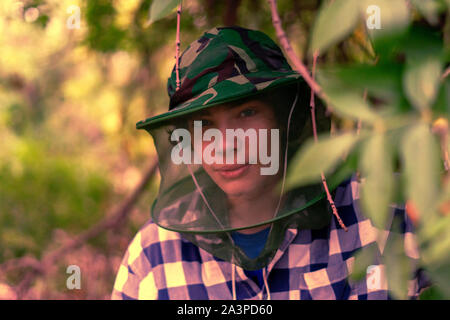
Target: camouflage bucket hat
(225, 64)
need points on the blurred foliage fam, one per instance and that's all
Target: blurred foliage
(70, 98)
(41, 192)
(399, 94)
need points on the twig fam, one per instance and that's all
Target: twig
(446, 73)
(313, 119)
(177, 50)
(315, 88)
(440, 127)
(312, 102)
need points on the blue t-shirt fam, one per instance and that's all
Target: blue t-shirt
(252, 244)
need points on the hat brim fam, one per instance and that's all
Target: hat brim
(228, 90)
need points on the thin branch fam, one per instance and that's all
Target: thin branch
(177, 50)
(315, 89)
(446, 73)
(230, 17)
(313, 119)
(440, 127)
(298, 64)
(312, 102)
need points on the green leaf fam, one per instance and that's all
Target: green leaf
(432, 231)
(442, 103)
(430, 9)
(421, 160)
(440, 274)
(351, 104)
(334, 22)
(432, 293)
(381, 78)
(440, 245)
(436, 257)
(422, 78)
(363, 259)
(345, 169)
(382, 81)
(423, 70)
(345, 100)
(398, 266)
(161, 9)
(314, 158)
(378, 186)
(387, 22)
(393, 17)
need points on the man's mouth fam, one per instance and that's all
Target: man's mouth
(232, 171)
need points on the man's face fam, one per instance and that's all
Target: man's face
(237, 178)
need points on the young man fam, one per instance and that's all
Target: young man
(223, 225)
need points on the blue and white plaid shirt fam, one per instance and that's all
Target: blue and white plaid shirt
(309, 264)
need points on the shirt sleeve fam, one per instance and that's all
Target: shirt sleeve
(135, 278)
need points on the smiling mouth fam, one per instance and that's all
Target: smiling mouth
(231, 172)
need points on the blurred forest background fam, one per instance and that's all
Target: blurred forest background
(70, 156)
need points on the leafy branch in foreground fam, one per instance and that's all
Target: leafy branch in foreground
(405, 118)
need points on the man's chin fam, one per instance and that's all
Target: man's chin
(238, 190)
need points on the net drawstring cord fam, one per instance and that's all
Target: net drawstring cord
(286, 150)
(266, 284)
(233, 280)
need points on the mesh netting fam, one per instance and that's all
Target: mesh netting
(190, 202)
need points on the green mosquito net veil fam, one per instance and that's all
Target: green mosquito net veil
(191, 203)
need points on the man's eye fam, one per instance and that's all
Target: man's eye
(247, 113)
